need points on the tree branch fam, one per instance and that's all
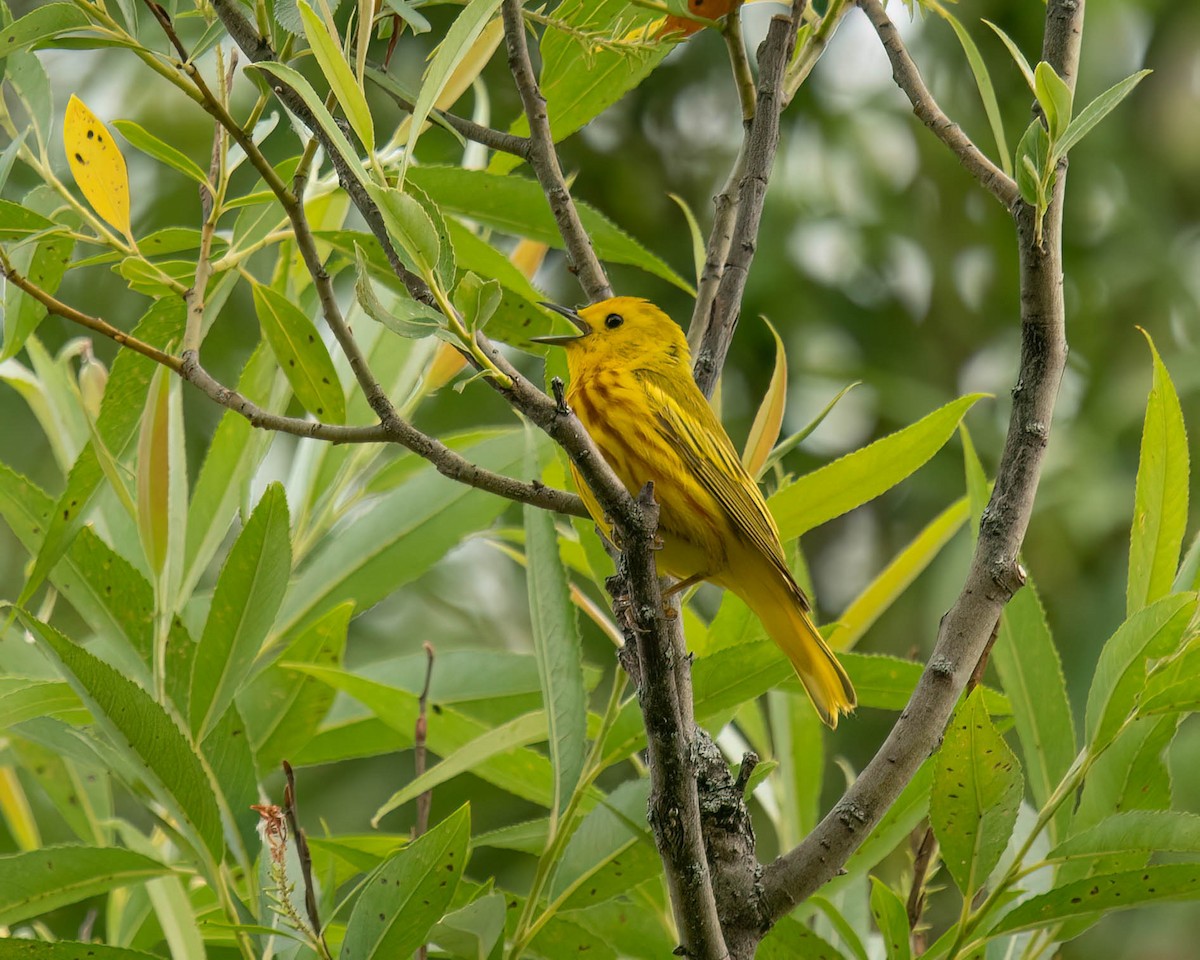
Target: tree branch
(908, 78)
(716, 326)
(490, 137)
(544, 160)
(994, 574)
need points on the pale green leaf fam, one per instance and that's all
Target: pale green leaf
(338, 75)
(1096, 111)
(983, 82)
(1149, 830)
(301, 354)
(152, 146)
(1055, 98)
(43, 22)
(891, 918)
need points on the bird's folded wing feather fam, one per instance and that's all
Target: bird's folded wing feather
(692, 429)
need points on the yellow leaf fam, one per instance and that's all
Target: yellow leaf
(765, 429)
(97, 164)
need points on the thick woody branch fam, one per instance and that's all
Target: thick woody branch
(544, 159)
(994, 574)
(908, 79)
(715, 330)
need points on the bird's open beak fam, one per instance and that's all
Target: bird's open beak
(575, 318)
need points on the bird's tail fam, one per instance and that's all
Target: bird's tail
(795, 634)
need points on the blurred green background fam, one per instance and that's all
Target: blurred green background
(880, 261)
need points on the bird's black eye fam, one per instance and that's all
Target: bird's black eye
(613, 320)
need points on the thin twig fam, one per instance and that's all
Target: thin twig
(302, 851)
(908, 79)
(544, 160)
(762, 140)
(739, 61)
(490, 137)
(994, 574)
(926, 850)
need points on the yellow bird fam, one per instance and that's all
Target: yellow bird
(632, 388)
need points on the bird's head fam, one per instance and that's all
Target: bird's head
(620, 331)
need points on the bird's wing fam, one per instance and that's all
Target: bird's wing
(693, 430)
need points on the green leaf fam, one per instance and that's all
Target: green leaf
(149, 144)
(521, 732)
(559, 655)
(764, 431)
(861, 476)
(1017, 55)
(120, 411)
(48, 20)
(249, 591)
(233, 455)
(1149, 830)
(1121, 671)
(786, 446)
(977, 788)
(1096, 111)
(20, 223)
(1160, 500)
(790, 939)
(983, 81)
(1031, 674)
(454, 46)
(472, 931)
(143, 732)
(610, 852)
(44, 264)
(316, 106)
(891, 917)
(227, 750)
(16, 949)
(404, 533)
(476, 300)
(38, 881)
(301, 353)
(410, 226)
(23, 699)
(799, 743)
(283, 708)
(338, 75)
(1104, 894)
(1130, 774)
(402, 315)
(529, 836)
(896, 577)
(517, 205)
(410, 892)
(154, 474)
(1032, 160)
(1055, 98)
(579, 81)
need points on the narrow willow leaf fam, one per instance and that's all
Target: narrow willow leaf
(227, 750)
(1055, 98)
(154, 473)
(96, 164)
(44, 263)
(1031, 674)
(1121, 671)
(48, 20)
(22, 699)
(891, 918)
(983, 82)
(450, 52)
(1096, 111)
(401, 315)
(143, 733)
(20, 223)
(863, 475)
(1016, 54)
(301, 353)
(404, 533)
(316, 105)
(517, 205)
(473, 930)
(896, 577)
(790, 939)
(476, 300)
(39, 881)
(1149, 830)
(283, 708)
(559, 654)
(787, 446)
(152, 146)
(764, 431)
(249, 592)
(1032, 159)
(338, 75)
(1160, 500)
(120, 411)
(521, 732)
(698, 252)
(408, 895)
(1104, 894)
(977, 788)
(410, 226)
(1171, 686)
(799, 743)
